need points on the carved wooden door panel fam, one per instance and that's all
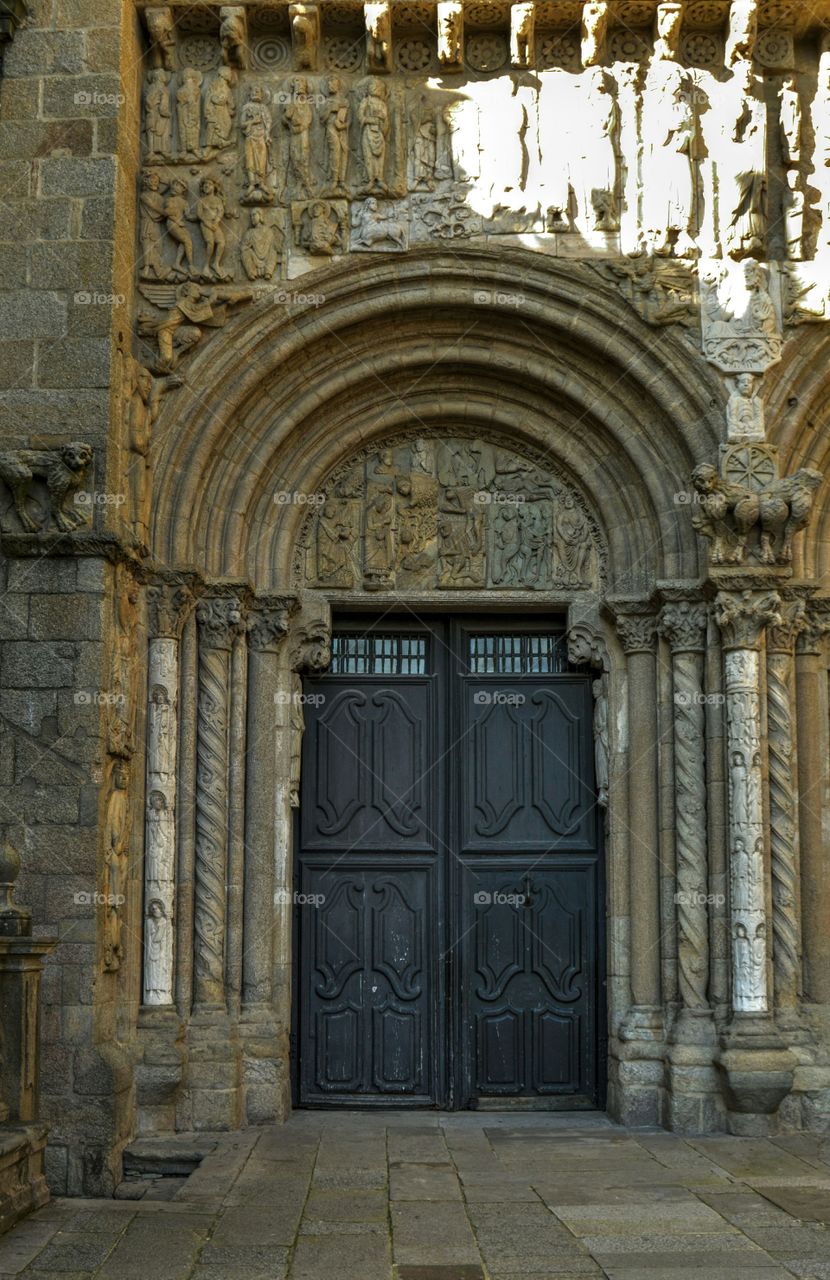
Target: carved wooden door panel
(448, 873)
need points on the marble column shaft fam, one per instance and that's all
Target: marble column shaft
(811, 705)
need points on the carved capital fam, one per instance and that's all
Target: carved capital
(684, 626)
(221, 619)
(637, 632)
(742, 616)
(782, 636)
(587, 647)
(169, 604)
(311, 650)
(268, 623)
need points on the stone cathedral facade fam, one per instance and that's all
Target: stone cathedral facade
(324, 326)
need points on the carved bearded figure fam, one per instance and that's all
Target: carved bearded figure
(262, 248)
(158, 116)
(373, 114)
(156, 927)
(220, 109)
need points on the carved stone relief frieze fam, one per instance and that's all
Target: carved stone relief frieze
(449, 514)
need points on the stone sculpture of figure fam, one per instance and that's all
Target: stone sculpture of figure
(298, 118)
(189, 112)
(158, 116)
(747, 224)
(601, 156)
(573, 541)
(156, 929)
(507, 543)
(256, 123)
(151, 220)
(672, 166)
(220, 109)
(790, 121)
(142, 402)
(729, 512)
(450, 27)
(379, 540)
(116, 857)
(371, 227)
(759, 318)
(158, 820)
(373, 115)
(462, 126)
(176, 216)
(599, 688)
(262, 247)
(745, 410)
(668, 25)
(743, 31)
(188, 310)
(159, 748)
(378, 18)
(424, 149)
(334, 117)
(233, 36)
(595, 17)
(521, 35)
(210, 214)
(162, 32)
(319, 230)
(334, 546)
(305, 35)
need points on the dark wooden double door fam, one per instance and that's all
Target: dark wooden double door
(448, 873)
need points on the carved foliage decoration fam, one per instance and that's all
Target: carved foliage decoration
(449, 514)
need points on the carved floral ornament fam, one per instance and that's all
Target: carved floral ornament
(448, 513)
(309, 131)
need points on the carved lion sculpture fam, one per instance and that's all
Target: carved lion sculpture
(729, 512)
(64, 470)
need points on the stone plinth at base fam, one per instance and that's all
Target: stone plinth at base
(22, 1182)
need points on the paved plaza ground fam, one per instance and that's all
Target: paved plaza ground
(473, 1196)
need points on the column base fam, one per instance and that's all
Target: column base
(694, 1103)
(214, 1074)
(265, 1065)
(637, 1084)
(159, 1073)
(756, 1072)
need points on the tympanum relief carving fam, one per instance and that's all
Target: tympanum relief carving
(448, 514)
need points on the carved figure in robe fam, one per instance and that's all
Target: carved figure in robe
(220, 109)
(573, 541)
(747, 225)
(159, 745)
(320, 231)
(151, 222)
(177, 215)
(298, 118)
(262, 247)
(790, 120)
(507, 543)
(672, 171)
(600, 158)
(745, 409)
(379, 543)
(158, 116)
(156, 931)
(256, 123)
(373, 115)
(189, 112)
(334, 546)
(460, 548)
(142, 402)
(599, 688)
(118, 828)
(334, 116)
(424, 148)
(157, 835)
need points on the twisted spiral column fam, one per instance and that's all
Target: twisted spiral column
(684, 625)
(219, 621)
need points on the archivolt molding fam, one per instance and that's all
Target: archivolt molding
(282, 395)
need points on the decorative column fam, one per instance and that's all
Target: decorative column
(219, 620)
(757, 1071)
(168, 604)
(783, 812)
(684, 626)
(269, 627)
(637, 629)
(811, 703)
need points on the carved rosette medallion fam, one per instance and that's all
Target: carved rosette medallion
(684, 626)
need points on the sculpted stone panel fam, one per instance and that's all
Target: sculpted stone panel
(449, 514)
(60, 473)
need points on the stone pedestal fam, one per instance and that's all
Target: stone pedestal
(756, 1070)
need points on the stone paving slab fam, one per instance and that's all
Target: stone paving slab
(476, 1196)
